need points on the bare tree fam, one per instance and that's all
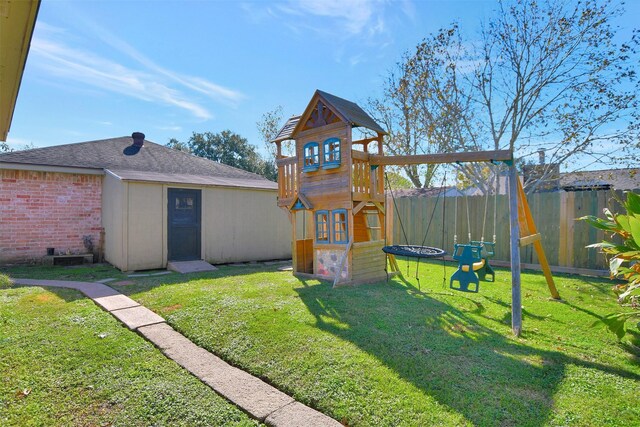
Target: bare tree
(553, 79)
(545, 76)
(422, 106)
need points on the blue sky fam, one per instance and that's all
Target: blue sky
(100, 69)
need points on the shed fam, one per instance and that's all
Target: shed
(154, 205)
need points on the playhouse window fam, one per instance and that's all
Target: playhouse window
(331, 153)
(311, 156)
(322, 226)
(339, 226)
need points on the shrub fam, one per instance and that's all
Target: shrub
(624, 259)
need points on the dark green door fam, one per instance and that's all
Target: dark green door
(184, 224)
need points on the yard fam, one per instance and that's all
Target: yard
(375, 355)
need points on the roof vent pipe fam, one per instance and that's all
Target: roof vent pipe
(540, 156)
(138, 139)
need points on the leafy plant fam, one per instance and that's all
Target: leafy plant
(624, 259)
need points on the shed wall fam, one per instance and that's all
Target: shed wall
(237, 225)
(146, 225)
(113, 214)
(244, 225)
(39, 210)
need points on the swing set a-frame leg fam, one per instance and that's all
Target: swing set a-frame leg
(527, 224)
(523, 232)
(393, 265)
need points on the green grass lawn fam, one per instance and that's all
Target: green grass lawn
(65, 362)
(390, 354)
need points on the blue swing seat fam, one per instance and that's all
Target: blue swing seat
(469, 259)
(488, 251)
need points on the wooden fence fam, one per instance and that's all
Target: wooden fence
(563, 238)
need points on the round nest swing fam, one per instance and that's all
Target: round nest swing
(414, 251)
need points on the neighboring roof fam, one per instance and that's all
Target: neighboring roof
(152, 162)
(17, 20)
(618, 179)
(287, 129)
(430, 192)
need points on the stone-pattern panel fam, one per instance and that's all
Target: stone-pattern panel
(328, 263)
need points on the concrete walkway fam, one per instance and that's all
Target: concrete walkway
(257, 398)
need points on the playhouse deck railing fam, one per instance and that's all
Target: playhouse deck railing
(367, 182)
(361, 177)
(287, 179)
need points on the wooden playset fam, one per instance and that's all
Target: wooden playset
(333, 191)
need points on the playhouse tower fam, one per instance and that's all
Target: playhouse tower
(333, 195)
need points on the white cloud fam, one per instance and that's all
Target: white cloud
(345, 17)
(198, 84)
(353, 27)
(354, 15)
(82, 66)
(51, 52)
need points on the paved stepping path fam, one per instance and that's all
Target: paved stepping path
(257, 398)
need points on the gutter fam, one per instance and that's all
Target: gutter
(50, 168)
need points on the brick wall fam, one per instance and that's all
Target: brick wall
(40, 210)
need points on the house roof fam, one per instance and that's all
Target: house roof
(151, 162)
(18, 20)
(181, 178)
(619, 179)
(450, 191)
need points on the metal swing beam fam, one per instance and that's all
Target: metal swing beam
(520, 218)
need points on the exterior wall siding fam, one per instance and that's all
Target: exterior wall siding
(146, 225)
(243, 225)
(237, 225)
(113, 217)
(39, 210)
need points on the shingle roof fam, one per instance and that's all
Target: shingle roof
(152, 160)
(287, 129)
(352, 112)
(619, 179)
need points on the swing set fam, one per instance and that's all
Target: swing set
(473, 257)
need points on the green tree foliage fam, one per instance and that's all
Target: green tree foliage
(226, 147)
(269, 125)
(624, 259)
(6, 148)
(396, 181)
(545, 75)
(177, 145)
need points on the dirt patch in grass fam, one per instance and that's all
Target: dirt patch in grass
(171, 308)
(44, 298)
